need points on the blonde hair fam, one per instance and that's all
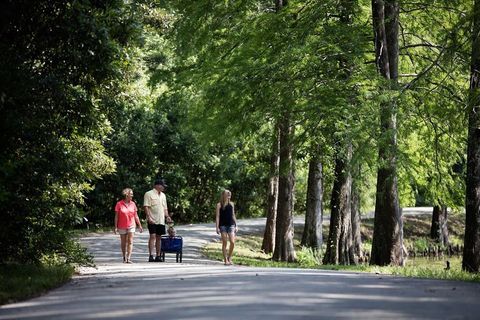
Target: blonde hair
(126, 191)
(223, 198)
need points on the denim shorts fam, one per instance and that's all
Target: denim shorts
(227, 229)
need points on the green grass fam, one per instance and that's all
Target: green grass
(248, 252)
(19, 282)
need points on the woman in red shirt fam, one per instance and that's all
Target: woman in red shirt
(126, 218)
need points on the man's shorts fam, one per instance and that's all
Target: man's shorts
(158, 229)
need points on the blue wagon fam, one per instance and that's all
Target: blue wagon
(172, 245)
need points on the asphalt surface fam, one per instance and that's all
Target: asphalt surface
(202, 289)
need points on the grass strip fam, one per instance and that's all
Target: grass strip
(247, 252)
(19, 282)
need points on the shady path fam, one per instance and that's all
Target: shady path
(203, 289)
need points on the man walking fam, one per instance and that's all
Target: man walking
(156, 210)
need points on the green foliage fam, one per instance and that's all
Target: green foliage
(237, 65)
(152, 137)
(308, 257)
(432, 131)
(421, 244)
(57, 58)
(19, 282)
(238, 82)
(430, 269)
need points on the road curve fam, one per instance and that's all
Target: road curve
(203, 289)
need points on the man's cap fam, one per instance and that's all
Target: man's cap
(160, 182)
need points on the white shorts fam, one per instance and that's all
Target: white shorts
(125, 231)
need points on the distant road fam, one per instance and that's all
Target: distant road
(203, 289)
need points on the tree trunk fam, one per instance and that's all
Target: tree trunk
(284, 249)
(356, 222)
(387, 244)
(312, 231)
(268, 243)
(439, 230)
(471, 251)
(279, 4)
(339, 245)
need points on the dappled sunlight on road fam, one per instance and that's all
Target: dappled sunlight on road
(198, 291)
(202, 289)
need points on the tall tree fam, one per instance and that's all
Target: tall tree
(268, 243)
(438, 229)
(339, 244)
(284, 231)
(284, 248)
(356, 219)
(471, 252)
(312, 231)
(387, 244)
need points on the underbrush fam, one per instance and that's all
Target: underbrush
(20, 281)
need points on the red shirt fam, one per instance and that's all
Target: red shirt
(126, 214)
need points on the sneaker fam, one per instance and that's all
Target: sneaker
(150, 259)
(158, 259)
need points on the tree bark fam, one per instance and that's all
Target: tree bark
(284, 249)
(312, 231)
(268, 243)
(356, 222)
(439, 229)
(471, 251)
(387, 244)
(279, 4)
(340, 245)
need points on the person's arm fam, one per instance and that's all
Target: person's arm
(168, 219)
(137, 220)
(146, 207)
(167, 216)
(148, 214)
(234, 218)
(217, 218)
(165, 211)
(115, 222)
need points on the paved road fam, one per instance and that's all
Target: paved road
(202, 289)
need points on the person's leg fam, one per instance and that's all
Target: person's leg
(160, 231)
(151, 241)
(231, 237)
(129, 245)
(123, 243)
(224, 247)
(158, 245)
(151, 244)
